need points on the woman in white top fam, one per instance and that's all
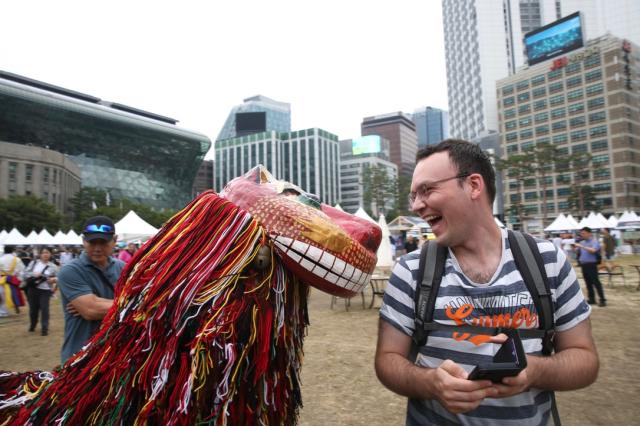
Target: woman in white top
(44, 271)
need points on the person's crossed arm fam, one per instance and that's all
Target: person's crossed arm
(90, 307)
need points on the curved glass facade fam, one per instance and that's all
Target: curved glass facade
(132, 156)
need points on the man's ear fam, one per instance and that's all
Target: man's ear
(476, 183)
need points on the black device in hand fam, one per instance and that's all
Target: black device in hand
(508, 361)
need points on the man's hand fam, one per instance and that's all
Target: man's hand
(72, 310)
(455, 392)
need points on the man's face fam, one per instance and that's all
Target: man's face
(99, 250)
(444, 206)
(585, 235)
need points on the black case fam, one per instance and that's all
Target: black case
(508, 361)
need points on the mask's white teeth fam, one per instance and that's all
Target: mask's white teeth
(323, 264)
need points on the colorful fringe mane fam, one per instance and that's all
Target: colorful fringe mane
(197, 335)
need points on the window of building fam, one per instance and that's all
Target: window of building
(543, 116)
(575, 108)
(572, 68)
(575, 94)
(510, 124)
(579, 148)
(598, 131)
(531, 195)
(604, 172)
(531, 209)
(508, 101)
(515, 198)
(593, 75)
(527, 133)
(604, 202)
(512, 137)
(558, 112)
(28, 173)
(541, 104)
(563, 192)
(559, 125)
(592, 61)
(563, 151)
(539, 91)
(13, 171)
(602, 187)
(574, 81)
(555, 74)
(507, 90)
(45, 175)
(561, 138)
(526, 146)
(556, 87)
(542, 130)
(525, 121)
(523, 109)
(510, 113)
(595, 103)
(577, 121)
(600, 159)
(578, 135)
(523, 97)
(521, 85)
(599, 145)
(596, 117)
(512, 149)
(538, 79)
(556, 100)
(595, 89)
(563, 179)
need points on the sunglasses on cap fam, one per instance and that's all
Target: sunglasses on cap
(105, 229)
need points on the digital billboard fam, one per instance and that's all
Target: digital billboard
(554, 39)
(366, 145)
(250, 122)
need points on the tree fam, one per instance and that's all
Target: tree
(402, 203)
(542, 159)
(517, 168)
(378, 189)
(580, 165)
(582, 199)
(28, 213)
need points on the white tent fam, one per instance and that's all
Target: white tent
(594, 222)
(605, 220)
(339, 207)
(573, 222)
(613, 220)
(72, 239)
(44, 238)
(15, 238)
(133, 228)
(628, 220)
(59, 237)
(561, 223)
(32, 238)
(3, 235)
(360, 213)
(385, 257)
(500, 224)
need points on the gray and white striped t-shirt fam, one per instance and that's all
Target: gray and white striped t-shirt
(503, 301)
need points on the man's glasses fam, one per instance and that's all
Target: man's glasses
(105, 229)
(426, 187)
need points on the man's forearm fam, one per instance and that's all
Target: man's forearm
(96, 310)
(404, 377)
(570, 369)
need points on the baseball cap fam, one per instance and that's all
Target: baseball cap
(98, 227)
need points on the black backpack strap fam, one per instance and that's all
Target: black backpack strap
(430, 271)
(531, 266)
(526, 254)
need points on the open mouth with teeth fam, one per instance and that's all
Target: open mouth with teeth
(329, 249)
(433, 220)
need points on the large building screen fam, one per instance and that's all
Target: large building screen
(366, 145)
(250, 122)
(554, 39)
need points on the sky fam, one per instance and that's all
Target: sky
(335, 62)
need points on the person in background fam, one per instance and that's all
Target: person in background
(609, 248)
(66, 256)
(411, 244)
(87, 284)
(44, 270)
(127, 254)
(588, 247)
(10, 264)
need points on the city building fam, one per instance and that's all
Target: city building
(483, 43)
(432, 125)
(400, 131)
(204, 177)
(39, 172)
(125, 151)
(619, 17)
(491, 144)
(356, 156)
(308, 158)
(585, 101)
(257, 114)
